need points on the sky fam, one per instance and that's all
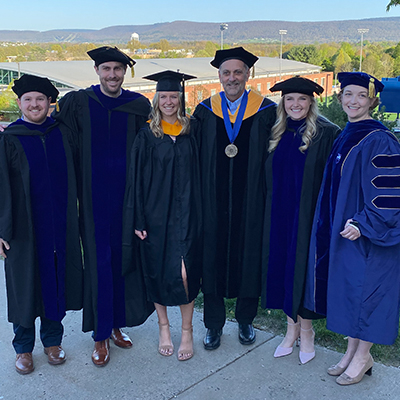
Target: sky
(46, 15)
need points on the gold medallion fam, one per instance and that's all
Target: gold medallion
(231, 150)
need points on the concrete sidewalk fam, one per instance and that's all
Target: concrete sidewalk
(232, 372)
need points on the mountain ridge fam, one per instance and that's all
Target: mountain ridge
(380, 29)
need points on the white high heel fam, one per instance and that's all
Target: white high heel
(285, 351)
(306, 357)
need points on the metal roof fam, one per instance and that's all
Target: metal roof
(81, 74)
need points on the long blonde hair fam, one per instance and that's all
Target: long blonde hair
(308, 132)
(156, 117)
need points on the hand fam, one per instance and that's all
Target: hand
(2, 127)
(3, 246)
(141, 234)
(350, 232)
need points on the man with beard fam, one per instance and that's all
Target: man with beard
(233, 129)
(39, 232)
(105, 119)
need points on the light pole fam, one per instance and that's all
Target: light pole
(222, 28)
(281, 32)
(12, 59)
(362, 31)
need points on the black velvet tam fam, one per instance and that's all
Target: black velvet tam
(237, 53)
(107, 54)
(31, 83)
(298, 84)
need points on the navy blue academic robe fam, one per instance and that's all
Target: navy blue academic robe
(104, 130)
(357, 283)
(39, 219)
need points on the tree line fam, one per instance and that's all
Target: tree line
(381, 59)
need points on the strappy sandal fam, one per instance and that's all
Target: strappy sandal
(185, 351)
(165, 350)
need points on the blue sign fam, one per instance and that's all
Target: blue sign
(390, 96)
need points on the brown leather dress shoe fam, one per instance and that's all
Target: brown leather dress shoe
(24, 363)
(101, 353)
(55, 354)
(121, 339)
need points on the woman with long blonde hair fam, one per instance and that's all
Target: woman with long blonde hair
(164, 196)
(300, 143)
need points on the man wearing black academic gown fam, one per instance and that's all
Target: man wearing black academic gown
(233, 129)
(39, 232)
(105, 120)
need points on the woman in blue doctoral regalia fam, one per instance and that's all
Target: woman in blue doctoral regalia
(354, 263)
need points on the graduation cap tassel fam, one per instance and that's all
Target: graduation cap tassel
(371, 88)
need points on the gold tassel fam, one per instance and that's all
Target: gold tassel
(132, 72)
(321, 98)
(57, 106)
(253, 72)
(371, 88)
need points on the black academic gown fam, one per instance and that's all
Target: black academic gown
(163, 198)
(39, 219)
(105, 129)
(293, 181)
(233, 197)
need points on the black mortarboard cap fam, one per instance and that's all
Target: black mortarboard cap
(31, 83)
(361, 79)
(108, 53)
(237, 53)
(298, 84)
(171, 81)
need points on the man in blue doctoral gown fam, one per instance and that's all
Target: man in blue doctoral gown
(39, 234)
(105, 119)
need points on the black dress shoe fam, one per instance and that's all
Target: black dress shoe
(212, 339)
(247, 334)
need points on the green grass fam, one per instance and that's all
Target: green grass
(274, 321)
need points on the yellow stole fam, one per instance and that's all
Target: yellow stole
(253, 104)
(170, 129)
